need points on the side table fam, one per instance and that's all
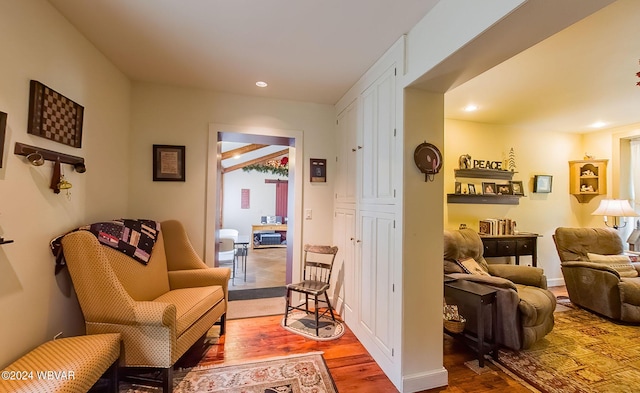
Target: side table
(472, 299)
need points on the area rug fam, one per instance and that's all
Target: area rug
(299, 322)
(584, 353)
(257, 293)
(305, 373)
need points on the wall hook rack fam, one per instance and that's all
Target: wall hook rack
(22, 149)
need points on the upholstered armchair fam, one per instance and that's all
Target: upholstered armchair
(524, 305)
(160, 309)
(597, 274)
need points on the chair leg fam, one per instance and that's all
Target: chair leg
(167, 380)
(306, 302)
(317, 318)
(286, 306)
(329, 305)
(223, 323)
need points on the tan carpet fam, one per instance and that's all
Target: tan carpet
(583, 353)
(255, 308)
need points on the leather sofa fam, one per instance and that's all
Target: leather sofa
(596, 286)
(160, 309)
(524, 305)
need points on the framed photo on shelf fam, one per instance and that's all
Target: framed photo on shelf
(472, 189)
(503, 189)
(488, 188)
(168, 163)
(542, 183)
(517, 188)
(458, 188)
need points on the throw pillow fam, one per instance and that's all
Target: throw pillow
(620, 263)
(470, 266)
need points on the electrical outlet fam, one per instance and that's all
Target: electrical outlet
(57, 335)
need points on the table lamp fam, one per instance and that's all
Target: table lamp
(615, 208)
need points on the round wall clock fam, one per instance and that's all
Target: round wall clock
(428, 159)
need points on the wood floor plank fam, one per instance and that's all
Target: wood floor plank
(352, 367)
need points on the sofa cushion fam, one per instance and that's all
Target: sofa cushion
(620, 263)
(191, 304)
(142, 282)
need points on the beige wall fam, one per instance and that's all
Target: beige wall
(181, 116)
(537, 153)
(40, 44)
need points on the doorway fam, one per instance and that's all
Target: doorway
(291, 139)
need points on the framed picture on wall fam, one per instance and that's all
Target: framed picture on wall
(542, 183)
(318, 170)
(168, 163)
(3, 127)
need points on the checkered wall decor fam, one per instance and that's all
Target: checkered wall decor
(54, 116)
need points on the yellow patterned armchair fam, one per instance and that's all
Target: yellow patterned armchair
(160, 309)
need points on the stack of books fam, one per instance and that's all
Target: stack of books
(497, 227)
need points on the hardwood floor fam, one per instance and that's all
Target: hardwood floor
(352, 368)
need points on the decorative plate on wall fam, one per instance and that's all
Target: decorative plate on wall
(428, 159)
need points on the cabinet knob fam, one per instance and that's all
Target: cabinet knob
(359, 147)
(353, 149)
(358, 241)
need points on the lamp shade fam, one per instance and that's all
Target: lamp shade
(615, 208)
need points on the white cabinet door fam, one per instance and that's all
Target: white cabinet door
(347, 153)
(378, 140)
(376, 277)
(343, 276)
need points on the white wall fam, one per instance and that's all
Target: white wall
(262, 199)
(40, 44)
(181, 116)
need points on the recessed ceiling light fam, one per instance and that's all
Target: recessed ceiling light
(261, 84)
(470, 108)
(598, 124)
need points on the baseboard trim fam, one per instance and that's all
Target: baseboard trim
(426, 380)
(555, 282)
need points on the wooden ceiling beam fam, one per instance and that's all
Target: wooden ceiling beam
(256, 161)
(241, 150)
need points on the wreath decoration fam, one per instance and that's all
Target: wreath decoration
(276, 167)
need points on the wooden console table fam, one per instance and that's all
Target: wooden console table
(267, 227)
(512, 246)
(472, 299)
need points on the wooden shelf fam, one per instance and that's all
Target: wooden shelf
(484, 199)
(484, 174)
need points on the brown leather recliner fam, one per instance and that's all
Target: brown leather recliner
(596, 286)
(525, 306)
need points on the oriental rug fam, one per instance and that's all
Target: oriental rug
(304, 373)
(299, 322)
(584, 353)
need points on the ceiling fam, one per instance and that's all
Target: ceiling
(310, 51)
(584, 74)
(315, 51)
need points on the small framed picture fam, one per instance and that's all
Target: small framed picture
(472, 189)
(542, 183)
(458, 189)
(168, 163)
(517, 188)
(488, 188)
(503, 189)
(318, 170)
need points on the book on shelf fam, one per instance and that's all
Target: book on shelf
(497, 226)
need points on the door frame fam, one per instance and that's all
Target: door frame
(233, 133)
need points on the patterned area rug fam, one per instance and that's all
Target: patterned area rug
(299, 322)
(306, 373)
(583, 353)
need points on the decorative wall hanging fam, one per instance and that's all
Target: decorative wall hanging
(3, 126)
(542, 183)
(428, 159)
(168, 163)
(318, 170)
(275, 167)
(37, 156)
(54, 116)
